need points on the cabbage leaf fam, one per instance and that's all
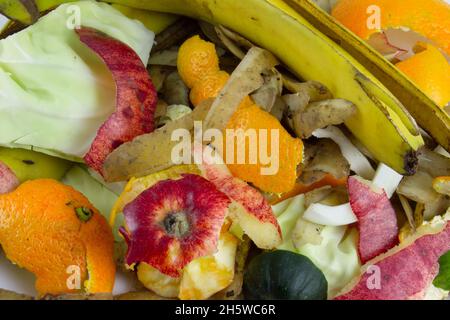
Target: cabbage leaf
(336, 255)
(56, 92)
(99, 195)
(102, 198)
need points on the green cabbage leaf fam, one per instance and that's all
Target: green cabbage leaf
(102, 197)
(336, 253)
(56, 92)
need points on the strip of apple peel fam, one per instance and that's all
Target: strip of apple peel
(439, 227)
(384, 178)
(8, 179)
(249, 209)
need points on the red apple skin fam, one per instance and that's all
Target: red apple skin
(148, 241)
(239, 191)
(406, 273)
(249, 208)
(8, 179)
(266, 232)
(377, 220)
(136, 96)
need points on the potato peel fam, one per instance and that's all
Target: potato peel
(151, 152)
(243, 81)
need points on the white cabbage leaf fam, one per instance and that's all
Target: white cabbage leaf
(336, 255)
(55, 92)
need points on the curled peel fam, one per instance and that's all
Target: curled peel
(377, 221)
(136, 96)
(174, 222)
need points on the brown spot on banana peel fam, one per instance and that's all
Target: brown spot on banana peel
(411, 163)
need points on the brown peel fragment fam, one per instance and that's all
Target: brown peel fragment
(243, 81)
(151, 152)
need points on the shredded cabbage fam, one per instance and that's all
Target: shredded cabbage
(56, 92)
(336, 256)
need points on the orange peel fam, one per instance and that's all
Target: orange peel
(430, 71)
(52, 230)
(429, 18)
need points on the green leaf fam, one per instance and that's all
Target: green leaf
(442, 280)
(59, 92)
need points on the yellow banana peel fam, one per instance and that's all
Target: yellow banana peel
(425, 111)
(381, 123)
(27, 12)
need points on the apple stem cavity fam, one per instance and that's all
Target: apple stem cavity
(174, 222)
(177, 224)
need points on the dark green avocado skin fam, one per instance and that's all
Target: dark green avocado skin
(284, 275)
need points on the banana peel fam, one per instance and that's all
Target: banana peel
(28, 11)
(425, 111)
(155, 21)
(380, 123)
(24, 11)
